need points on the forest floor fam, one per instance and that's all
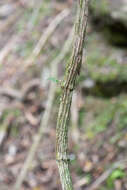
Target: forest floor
(98, 135)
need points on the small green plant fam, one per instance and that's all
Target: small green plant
(116, 174)
(53, 79)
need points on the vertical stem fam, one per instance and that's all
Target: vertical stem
(68, 85)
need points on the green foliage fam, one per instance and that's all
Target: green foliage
(53, 79)
(116, 174)
(88, 179)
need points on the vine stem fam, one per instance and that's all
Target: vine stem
(67, 86)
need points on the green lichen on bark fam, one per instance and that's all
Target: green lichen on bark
(68, 85)
(81, 2)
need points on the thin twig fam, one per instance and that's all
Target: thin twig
(46, 35)
(41, 43)
(46, 116)
(10, 21)
(11, 93)
(13, 41)
(10, 45)
(67, 86)
(105, 175)
(8, 48)
(17, 94)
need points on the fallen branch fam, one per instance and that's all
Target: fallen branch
(17, 94)
(8, 48)
(11, 93)
(10, 45)
(13, 41)
(29, 87)
(41, 43)
(10, 21)
(46, 116)
(3, 130)
(106, 174)
(46, 35)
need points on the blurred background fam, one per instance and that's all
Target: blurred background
(33, 55)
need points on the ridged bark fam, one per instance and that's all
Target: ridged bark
(68, 85)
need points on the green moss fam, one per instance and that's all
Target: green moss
(104, 65)
(100, 6)
(110, 18)
(102, 61)
(99, 114)
(102, 68)
(122, 113)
